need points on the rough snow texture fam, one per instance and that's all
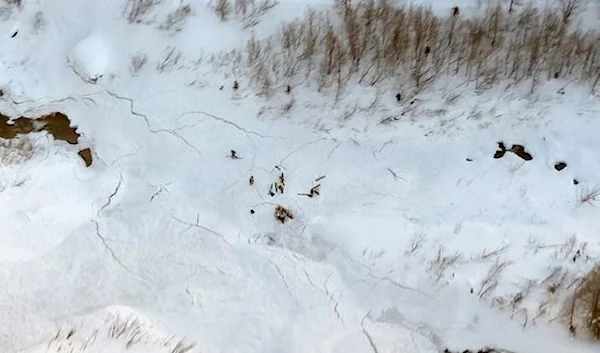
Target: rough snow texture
(160, 225)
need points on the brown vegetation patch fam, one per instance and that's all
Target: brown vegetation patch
(56, 124)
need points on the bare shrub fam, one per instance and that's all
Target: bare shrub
(585, 308)
(442, 262)
(129, 330)
(38, 22)
(136, 10)
(182, 347)
(17, 3)
(376, 42)
(137, 62)
(251, 11)
(490, 282)
(176, 19)
(169, 60)
(223, 9)
(415, 243)
(569, 8)
(589, 195)
(122, 331)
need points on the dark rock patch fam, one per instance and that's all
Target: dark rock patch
(519, 150)
(501, 150)
(560, 166)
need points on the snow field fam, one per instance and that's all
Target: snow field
(411, 216)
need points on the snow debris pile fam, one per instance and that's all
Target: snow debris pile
(91, 58)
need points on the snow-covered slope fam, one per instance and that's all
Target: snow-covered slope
(418, 240)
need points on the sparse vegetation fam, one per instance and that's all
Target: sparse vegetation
(223, 9)
(136, 10)
(169, 60)
(589, 195)
(38, 22)
(373, 42)
(137, 62)
(127, 331)
(442, 262)
(176, 18)
(585, 307)
(249, 12)
(16, 150)
(490, 282)
(17, 3)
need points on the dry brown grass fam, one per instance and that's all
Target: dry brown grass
(585, 308)
(249, 12)
(374, 42)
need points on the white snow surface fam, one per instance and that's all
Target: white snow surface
(159, 227)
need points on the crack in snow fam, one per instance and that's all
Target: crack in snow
(367, 335)
(300, 149)
(333, 150)
(332, 298)
(110, 250)
(285, 283)
(227, 122)
(111, 196)
(124, 156)
(161, 188)
(145, 117)
(199, 226)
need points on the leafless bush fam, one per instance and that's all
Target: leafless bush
(585, 307)
(137, 62)
(569, 8)
(489, 254)
(376, 42)
(169, 60)
(135, 10)
(442, 262)
(251, 11)
(176, 19)
(490, 282)
(129, 330)
(17, 3)
(38, 22)
(223, 9)
(415, 243)
(182, 347)
(589, 195)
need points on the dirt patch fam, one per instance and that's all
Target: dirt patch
(517, 149)
(86, 155)
(56, 124)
